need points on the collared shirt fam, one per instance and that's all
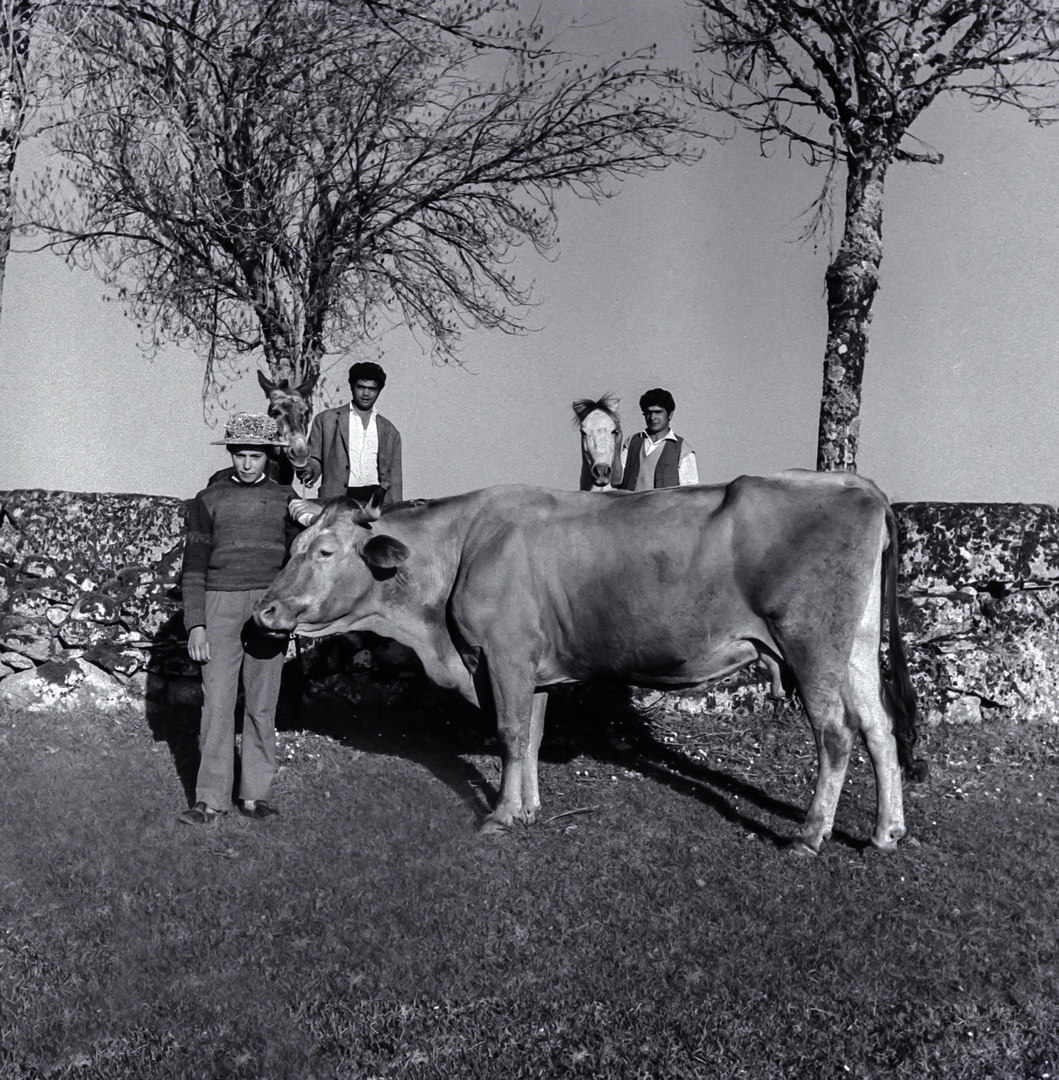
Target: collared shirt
(689, 469)
(363, 449)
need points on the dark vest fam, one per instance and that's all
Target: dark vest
(667, 470)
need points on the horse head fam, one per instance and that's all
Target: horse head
(292, 409)
(600, 427)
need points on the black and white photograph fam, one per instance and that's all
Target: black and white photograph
(529, 540)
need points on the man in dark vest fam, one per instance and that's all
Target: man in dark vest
(656, 457)
(354, 449)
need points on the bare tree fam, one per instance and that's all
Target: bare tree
(842, 81)
(293, 175)
(17, 18)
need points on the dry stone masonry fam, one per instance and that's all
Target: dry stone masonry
(90, 610)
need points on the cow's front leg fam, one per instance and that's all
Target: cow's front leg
(513, 698)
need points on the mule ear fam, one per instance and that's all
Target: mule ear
(384, 552)
(365, 515)
(266, 384)
(308, 384)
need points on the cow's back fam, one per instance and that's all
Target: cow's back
(656, 586)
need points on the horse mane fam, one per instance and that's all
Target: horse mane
(608, 403)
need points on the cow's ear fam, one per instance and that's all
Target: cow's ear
(384, 552)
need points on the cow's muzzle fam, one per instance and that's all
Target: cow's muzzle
(274, 617)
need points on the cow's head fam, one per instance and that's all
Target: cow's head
(334, 567)
(292, 409)
(600, 427)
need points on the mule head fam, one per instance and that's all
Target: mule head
(292, 409)
(600, 427)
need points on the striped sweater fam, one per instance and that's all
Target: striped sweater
(238, 539)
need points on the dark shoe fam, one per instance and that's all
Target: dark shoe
(259, 812)
(199, 814)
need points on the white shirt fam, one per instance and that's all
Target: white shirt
(363, 449)
(689, 470)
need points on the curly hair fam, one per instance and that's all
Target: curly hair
(367, 370)
(658, 396)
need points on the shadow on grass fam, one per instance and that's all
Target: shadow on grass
(399, 713)
(406, 716)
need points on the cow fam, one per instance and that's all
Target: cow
(508, 590)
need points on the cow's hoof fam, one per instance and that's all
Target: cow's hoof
(799, 849)
(493, 827)
(887, 845)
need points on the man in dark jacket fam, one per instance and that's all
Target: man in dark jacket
(656, 457)
(239, 534)
(353, 449)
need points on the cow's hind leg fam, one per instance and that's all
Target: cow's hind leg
(864, 697)
(834, 743)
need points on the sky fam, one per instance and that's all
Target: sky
(691, 279)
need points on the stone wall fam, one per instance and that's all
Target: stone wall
(980, 608)
(89, 596)
(90, 606)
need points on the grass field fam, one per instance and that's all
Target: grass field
(649, 926)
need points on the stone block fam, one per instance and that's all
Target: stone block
(16, 661)
(116, 660)
(29, 603)
(81, 634)
(946, 545)
(36, 566)
(67, 686)
(137, 683)
(96, 607)
(102, 531)
(152, 616)
(27, 636)
(925, 618)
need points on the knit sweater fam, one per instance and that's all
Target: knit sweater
(238, 539)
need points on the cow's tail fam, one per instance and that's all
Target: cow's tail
(899, 694)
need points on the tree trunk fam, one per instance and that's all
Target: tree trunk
(16, 22)
(8, 149)
(852, 281)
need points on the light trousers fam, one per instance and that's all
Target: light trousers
(261, 664)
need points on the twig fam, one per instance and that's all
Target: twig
(570, 813)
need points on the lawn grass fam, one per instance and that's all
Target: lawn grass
(649, 925)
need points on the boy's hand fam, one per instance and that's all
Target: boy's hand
(304, 511)
(198, 646)
(310, 474)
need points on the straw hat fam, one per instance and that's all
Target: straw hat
(250, 429)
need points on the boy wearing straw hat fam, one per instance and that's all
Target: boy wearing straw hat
(239, 535)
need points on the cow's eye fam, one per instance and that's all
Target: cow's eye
(325, 553)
